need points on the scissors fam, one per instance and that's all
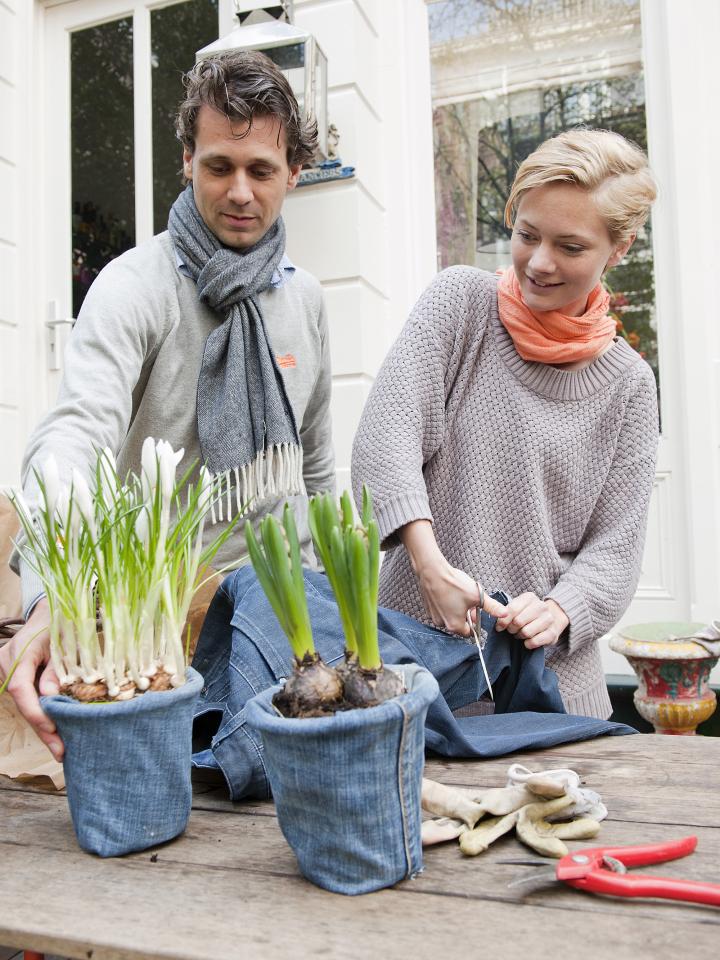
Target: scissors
(475, 633)
(604, 870)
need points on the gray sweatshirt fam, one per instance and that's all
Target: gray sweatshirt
(131, 371)
(536, 478)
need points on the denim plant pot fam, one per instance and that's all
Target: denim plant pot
(127, 766)
(347, 787)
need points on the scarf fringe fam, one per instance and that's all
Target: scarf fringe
(276, 472)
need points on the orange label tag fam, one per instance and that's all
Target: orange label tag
(288, 360)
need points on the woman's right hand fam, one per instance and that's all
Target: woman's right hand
(448, 593)
(28, 652)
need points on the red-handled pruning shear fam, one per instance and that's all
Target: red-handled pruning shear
(604, 870)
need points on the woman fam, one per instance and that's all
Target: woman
(510, 438)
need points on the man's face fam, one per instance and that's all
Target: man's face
(239, 176)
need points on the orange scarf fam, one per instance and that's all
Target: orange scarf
(550, 336)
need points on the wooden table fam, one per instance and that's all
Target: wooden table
(229, 887)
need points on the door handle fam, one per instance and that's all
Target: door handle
(54, 327)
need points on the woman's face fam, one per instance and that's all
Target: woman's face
(560, 248)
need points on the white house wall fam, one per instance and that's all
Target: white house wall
(683, 86)
(12, 36)
(370, 240)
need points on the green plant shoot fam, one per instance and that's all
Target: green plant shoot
(350, 553)
(327, 524)
(278, 565)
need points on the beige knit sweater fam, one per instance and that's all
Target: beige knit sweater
(535, 478)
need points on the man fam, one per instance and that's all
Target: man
(207, 336)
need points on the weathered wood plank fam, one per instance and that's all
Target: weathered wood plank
(33, 785)
(651, 749)
(123, 910)
(255, 845)
(230, 886)
(645, 778)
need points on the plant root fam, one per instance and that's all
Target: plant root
(348, 667)
(98, 692)
(86, 692)
(160, 680)
(368, 688)
(312, 690)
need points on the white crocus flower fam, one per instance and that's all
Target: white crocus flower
(149, 462)
(22, 507)
(83, 500)
(108, 477)
(51, 482)
(169, 459)
(63, 508)
(142, 526)
(207, 490)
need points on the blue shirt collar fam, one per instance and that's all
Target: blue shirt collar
(283, 272)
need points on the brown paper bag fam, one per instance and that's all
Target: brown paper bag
(23, 755)
(199, 606)
(10, 596)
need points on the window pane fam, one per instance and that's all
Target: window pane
(102, 145)
(176, 33)
(508, 74)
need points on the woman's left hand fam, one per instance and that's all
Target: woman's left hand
(537, 622)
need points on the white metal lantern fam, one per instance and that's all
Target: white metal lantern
(296, 52)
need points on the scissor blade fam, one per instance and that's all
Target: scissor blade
(476, 638)
(533, 880)
(482, 664)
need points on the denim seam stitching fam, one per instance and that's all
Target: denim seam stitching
(241, 729)
(401, 780)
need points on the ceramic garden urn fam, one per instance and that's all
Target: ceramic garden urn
(673, 670)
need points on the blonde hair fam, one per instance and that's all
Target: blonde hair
(611, 168)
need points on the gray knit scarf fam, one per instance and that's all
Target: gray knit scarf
(247, 429)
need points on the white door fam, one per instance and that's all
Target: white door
(112, 81)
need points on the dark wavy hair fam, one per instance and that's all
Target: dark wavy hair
(244, 85)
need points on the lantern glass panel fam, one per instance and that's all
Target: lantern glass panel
(291, 58)
(320, 91)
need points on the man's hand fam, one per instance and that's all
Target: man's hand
(537, 622)
(30, 647)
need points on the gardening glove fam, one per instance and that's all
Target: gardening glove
(450, 803)
(473, 842)
(545, 838)
(470, 805)
(441, 830)
(557, 783)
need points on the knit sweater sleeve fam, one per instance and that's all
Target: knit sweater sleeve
(316, 428)
(404, 420)
(598, 586)
(117, 329)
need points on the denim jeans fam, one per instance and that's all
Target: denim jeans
(243, 651)
(127, 767)
(347, 787)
